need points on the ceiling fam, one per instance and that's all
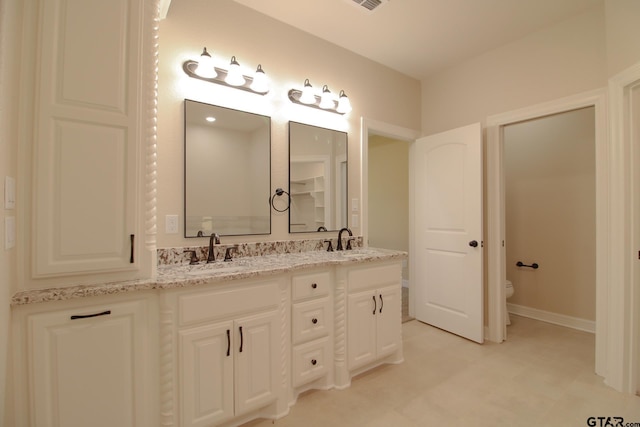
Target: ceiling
(420, 37)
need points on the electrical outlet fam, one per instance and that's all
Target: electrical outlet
(171, 224)
(354, 220)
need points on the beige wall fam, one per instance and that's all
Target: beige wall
(288, 56)
(558, 61)
(388, 194)
(10, 17)
(550, 212)
(623, 34)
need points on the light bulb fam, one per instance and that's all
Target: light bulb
(326, 100)
(260, 81)
(234, 75)
(344, 105)
(307, 96)
(205, 66)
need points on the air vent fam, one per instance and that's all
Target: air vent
(369, 5)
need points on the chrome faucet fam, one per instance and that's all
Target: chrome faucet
(213, 240)
(339, 247)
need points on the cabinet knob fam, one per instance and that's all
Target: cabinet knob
(314, 362)
(314, 285)
(314, 320)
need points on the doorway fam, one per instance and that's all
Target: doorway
(388, 196)
(550, 218)
(496, 259)
(399, 135)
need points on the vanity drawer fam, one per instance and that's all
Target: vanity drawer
(310, 361)
(372, 277)
(213, 304)
(310, 285)
(310, 320)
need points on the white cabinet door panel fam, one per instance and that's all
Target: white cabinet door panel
(89, 371)
(256, 359)
(389, 320)
(361, 336)
(87, 130)
(206, 374)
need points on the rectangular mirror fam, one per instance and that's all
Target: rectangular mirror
(317, 178)
(227, 171)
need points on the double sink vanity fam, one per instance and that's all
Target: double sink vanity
(207, 344)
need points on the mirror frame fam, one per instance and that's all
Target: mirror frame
(333, 181)
(267, 194)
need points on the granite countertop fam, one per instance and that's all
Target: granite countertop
(185, 275)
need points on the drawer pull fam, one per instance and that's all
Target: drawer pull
(314, 285)
(86, 316)
(241, 339)
(314, 362)
(314, 320)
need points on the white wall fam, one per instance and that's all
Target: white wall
(288, 56)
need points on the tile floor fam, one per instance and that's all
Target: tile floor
(541, 376)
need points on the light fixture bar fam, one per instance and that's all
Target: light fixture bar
(190, 66)
(295, 94)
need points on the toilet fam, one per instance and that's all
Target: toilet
(508, 292)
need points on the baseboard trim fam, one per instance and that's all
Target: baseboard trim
(555, 318)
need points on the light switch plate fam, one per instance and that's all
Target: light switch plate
(9, 192)
(355, 205)
(9, 232)
(171, 224)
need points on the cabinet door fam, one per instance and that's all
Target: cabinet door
(206, 374)
(389, 320)
(90, 371)
(256, 369)
(362, 308)
(87, 131)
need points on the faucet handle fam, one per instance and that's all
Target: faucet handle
(330, 246)
(194, 258)
(349, 240)
(227, 253)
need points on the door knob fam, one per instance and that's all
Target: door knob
(473, 243)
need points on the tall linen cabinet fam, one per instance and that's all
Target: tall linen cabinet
(87, 211)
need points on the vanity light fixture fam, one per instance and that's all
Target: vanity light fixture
(325, 101)
(204, 69)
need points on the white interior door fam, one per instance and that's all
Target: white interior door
(446, 170)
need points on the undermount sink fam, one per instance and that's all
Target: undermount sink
(216, 270)
(355, 254)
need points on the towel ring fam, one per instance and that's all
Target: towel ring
(279, 192)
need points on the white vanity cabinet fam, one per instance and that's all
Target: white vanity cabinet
(311, 328)
(229, 351)
(89, 363)
(374, 314)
